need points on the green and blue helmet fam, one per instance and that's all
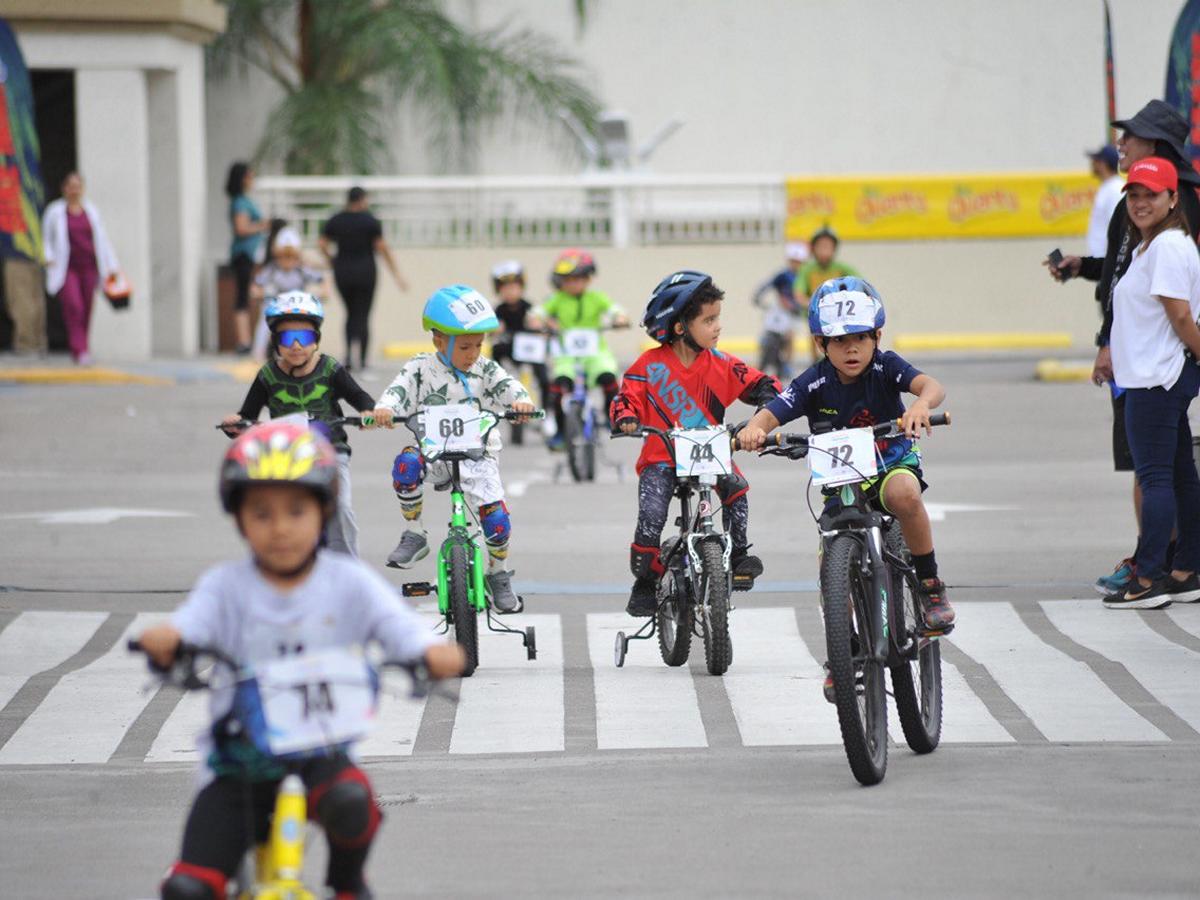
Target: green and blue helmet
(459, 309)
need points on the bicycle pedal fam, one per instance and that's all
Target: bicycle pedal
(743, 582)
(418, 589)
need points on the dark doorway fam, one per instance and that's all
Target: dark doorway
(54, 112)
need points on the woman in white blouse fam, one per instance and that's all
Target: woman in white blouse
(1155, 348)
(78, 258)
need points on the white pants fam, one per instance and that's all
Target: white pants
(341, 534)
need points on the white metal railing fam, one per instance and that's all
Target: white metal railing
(602, 208)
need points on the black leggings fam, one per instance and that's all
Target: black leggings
(358, 293)
(656, 488)
(243, 268)
(228, 816)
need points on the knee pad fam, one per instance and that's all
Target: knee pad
(644, 561)
(731, 487)
(497, 526)
(408, 471)
(189, 882)
(346, 809)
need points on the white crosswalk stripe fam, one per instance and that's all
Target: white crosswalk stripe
(513, 705)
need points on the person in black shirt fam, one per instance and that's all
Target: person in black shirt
(358, 236)
(1156, 130)
(512, 309)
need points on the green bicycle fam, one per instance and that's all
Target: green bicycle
(453, 433)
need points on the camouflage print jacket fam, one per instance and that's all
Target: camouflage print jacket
(426, 381)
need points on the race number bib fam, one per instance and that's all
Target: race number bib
(470, 309)
(702, 451)
(317, 700)
(529, 348)
(842, 457)
(581, 342)
(454, 427)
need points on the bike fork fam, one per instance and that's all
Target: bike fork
(877, 613)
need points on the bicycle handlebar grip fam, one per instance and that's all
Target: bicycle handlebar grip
(942, 418)
(511, 414)
(133, 645)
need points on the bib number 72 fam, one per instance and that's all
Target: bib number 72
(842, 457)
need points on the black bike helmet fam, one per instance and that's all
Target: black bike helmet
(669, 300)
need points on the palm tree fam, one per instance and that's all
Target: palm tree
(343, 66)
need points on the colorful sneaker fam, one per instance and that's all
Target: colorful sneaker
(1136, 596)
(1118, 580)
(1185, 590)
(827, 688)
(939, 614)
(555, 442)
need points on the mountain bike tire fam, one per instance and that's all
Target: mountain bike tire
(862, 714)
(916, 682)
(581, 453)
(466, 623)
(674, 626)
(718, 648)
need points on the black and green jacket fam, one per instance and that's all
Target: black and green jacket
(318, 393)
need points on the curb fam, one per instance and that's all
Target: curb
(988, 340)
(1053, 370)
(79, 376)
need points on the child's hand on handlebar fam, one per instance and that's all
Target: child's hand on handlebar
(523, 406)
(620, 321)
(383, 416)
(914, 419)
(232, 425)
(160, 643)
(445, 660)
(628, 425)
(752, 438)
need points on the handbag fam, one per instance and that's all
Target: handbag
(118, 290)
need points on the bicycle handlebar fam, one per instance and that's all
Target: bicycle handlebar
(354, 421)
(665, 436)
(884, 429)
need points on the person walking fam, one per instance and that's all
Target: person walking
(358, 236)
(248, 227)
(1155, 347)
(1156, 130)
(1105, 163)
(78, 255)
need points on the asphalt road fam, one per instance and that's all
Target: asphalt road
(1041, 788)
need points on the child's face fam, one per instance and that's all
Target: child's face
(467, 348)
(294, 353)
(287, 258)
(575, 285)
(282, 524)
(824, 249)
(851, 353)
(510, 291)
(706, 327)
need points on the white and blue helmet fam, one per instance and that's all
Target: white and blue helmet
(294, 305)
(846, 305)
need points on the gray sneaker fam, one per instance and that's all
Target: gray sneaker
(503, 597)
(413, 546)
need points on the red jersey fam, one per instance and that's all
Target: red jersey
(660, 390)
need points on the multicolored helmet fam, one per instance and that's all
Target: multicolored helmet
(459, 309)
(847, 305)
(279, 453)
(294, 305)
(572, 262)
(508, 270)
(669, 300)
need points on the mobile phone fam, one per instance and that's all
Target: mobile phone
(1055, 258)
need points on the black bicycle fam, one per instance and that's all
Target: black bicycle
(693, 590)
(874, 617)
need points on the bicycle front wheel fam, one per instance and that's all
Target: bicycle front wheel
(858, 680)
(578, 447)
(674, 624)
(466, 625)
(718, 648)
(917, 677)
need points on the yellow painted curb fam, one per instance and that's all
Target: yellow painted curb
(241, 371)
(995, 340)
(406, 349)
(79, 376)
(1053, 370)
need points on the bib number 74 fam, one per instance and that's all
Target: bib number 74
(842, 457)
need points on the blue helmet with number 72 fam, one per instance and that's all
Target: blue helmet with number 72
(459, 309)
(847, 305)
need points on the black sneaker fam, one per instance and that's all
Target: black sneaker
(1184, 590)
(1157, 596)
(643, 599)
(745, 569)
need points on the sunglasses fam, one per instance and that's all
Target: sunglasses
(303, 336)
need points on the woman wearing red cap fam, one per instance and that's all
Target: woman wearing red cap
(1155, 348)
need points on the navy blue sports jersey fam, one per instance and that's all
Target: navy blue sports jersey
(820, 396)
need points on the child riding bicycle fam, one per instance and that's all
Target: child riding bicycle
(459, 317)
(778, 297)
(856, 385)
(513, 311)
(575, 305)
(279, 480)
(684, 382)
(299, 379)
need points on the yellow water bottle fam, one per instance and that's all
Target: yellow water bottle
(287, 830)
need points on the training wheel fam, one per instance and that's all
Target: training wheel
(530, 642)
(619, 648)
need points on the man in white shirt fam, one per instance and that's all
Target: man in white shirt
(1104, 167)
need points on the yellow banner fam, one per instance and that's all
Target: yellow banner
(901, 207)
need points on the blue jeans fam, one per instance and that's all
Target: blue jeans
(1161, 440)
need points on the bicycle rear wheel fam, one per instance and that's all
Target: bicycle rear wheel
(718, 648)
(466, 624)
(858, 680)
(917, 679)
(674, 624)
(581, 453)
